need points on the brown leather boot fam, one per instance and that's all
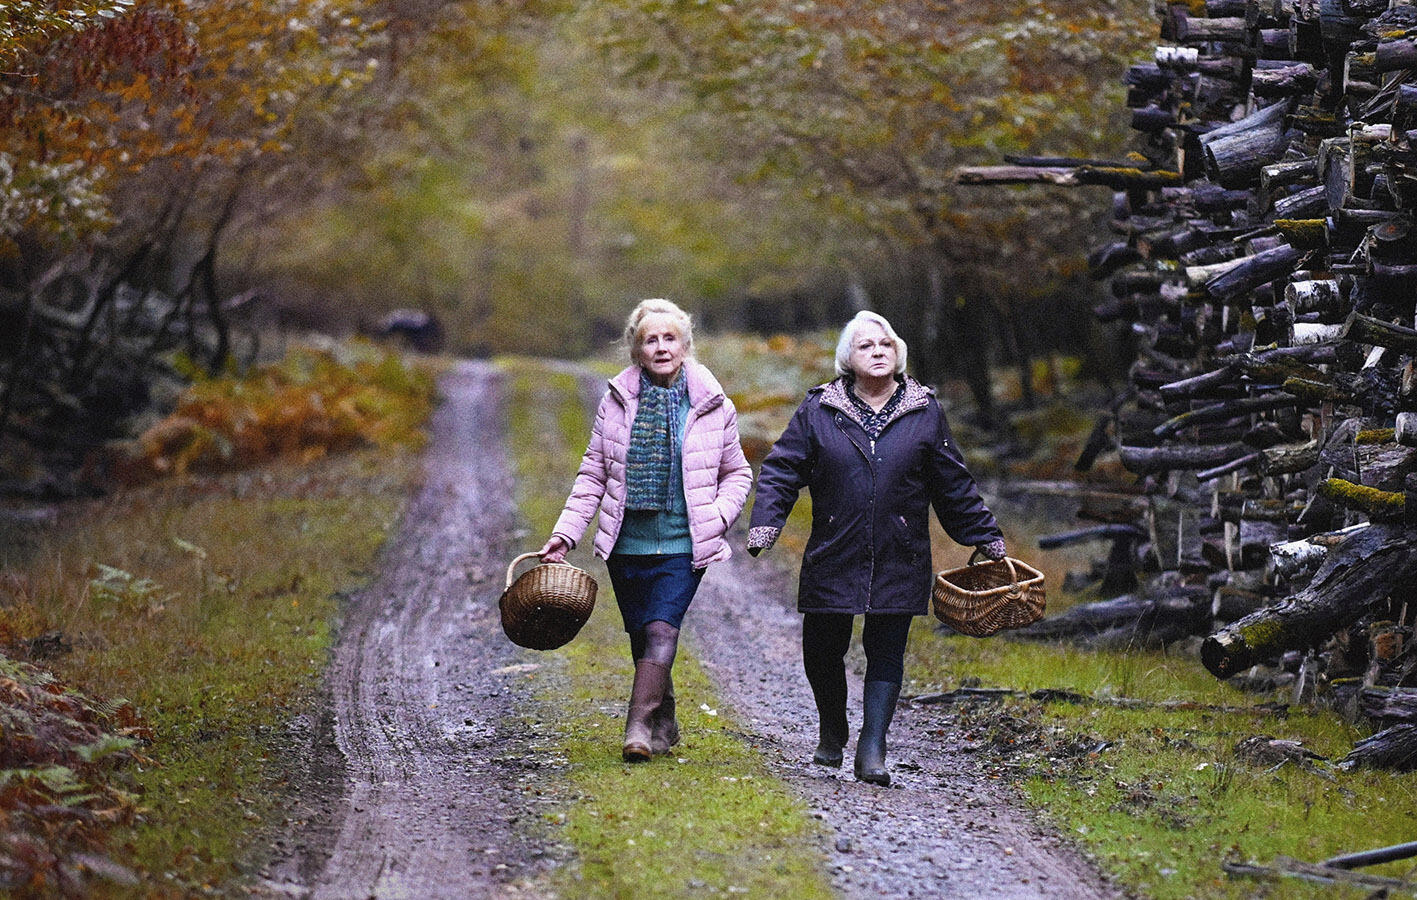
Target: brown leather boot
(664, 725)
(645, 696)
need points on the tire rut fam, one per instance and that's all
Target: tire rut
(426, 797)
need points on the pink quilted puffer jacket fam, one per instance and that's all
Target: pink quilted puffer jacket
(716, 474)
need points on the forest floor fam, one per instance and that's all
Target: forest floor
(415, 781)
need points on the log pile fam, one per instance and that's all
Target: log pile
(1264, 259)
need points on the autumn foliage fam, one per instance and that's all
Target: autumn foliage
(59, 793)
(313, 402)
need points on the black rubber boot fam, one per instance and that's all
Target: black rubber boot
(828, 681)
(878, 706)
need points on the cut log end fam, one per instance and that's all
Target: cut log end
(1225, 654)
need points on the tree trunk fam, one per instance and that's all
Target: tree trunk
(1321, 295)
(1154, 460)
(1284, 81)
(1357, 576)
(1375, 503)
(1254, 271)
(1398, 703)
(1147, 621)
(1393, 55)
(1307, 203)
(1235, 153)
(1220, 412)
(1363, 329)
(1198, 384)
(1392, 748)
(1284, 459)
(1295, 559)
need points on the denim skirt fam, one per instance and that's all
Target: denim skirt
(650, 588)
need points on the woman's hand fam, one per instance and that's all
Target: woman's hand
(554, 550)
(995, 550)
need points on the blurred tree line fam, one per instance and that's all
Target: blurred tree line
(189, 176)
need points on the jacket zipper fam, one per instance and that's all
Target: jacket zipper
(870, 464)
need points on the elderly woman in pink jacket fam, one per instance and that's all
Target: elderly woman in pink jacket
(667, 472)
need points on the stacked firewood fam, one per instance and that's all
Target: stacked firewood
(1265, 258)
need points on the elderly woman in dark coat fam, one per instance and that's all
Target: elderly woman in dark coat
(875, 451)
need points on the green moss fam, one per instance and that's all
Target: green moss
(1376, 435)
(1260, 635)
(1127, 176)
(1314, 391)
(1362, 497)
(1304, 234)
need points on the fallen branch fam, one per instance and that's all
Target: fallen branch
(1372, 857)
(1392, 748)
(965, 694)
(1058, 695)
(1061, 695)
(1284, 867)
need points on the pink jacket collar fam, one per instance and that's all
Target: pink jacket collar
(704, 389)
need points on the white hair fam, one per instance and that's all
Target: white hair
(634, 325)
(848, 337)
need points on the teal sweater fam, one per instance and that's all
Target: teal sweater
(649, 532)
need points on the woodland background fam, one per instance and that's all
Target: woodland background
(180, 181)
(190, 188)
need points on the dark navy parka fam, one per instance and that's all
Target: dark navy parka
(869, 549)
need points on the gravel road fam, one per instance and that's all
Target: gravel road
(411, 783)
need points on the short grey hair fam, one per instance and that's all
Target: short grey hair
(634, 325)
(848, 337)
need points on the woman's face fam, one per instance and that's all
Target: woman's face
(661, 348)
(873, 353)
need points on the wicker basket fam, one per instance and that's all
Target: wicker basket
(982, 599)
(547, 605)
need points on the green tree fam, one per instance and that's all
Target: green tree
(867, 108)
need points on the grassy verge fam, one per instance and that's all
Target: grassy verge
(1158, 793)
(207, 603)
(709, 818)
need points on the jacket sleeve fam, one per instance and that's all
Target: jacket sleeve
(735, 476)
(954, 493)
(589, 486)
(784, 473)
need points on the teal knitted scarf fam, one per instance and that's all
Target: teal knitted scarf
(653, 444)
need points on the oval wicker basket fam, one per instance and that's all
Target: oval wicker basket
(981, 599)
(547, 605)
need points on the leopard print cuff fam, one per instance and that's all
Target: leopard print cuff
(995, 550)
(763, 537)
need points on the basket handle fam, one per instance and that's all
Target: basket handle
(1013, 573)
(513, 566)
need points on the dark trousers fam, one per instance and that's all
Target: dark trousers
(827, 636)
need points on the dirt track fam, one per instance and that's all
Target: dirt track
(413, 782)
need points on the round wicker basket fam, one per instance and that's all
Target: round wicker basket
(547, 604)
(981, 599)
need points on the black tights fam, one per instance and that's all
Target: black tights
(657, 642)
(826, 637)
